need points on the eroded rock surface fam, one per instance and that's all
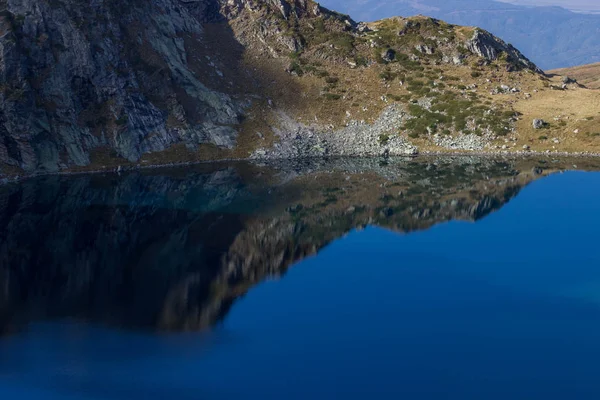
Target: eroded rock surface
(108, 74)
(490, 48)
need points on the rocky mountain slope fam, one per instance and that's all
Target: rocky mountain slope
(553, 37)
(100, 85)
(173, 249)
(77, 76)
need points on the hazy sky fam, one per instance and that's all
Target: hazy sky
(583, 5)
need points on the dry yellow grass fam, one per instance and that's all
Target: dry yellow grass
(573, 116)
(588, 75)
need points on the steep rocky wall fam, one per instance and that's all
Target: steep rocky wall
(79, 75)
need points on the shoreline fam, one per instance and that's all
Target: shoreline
(137, 167)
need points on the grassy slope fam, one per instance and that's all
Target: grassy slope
(573, 117)
(552, 37)
(587, 75)
(339, 76)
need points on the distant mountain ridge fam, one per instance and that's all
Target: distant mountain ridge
(553, 37)
(582, 6)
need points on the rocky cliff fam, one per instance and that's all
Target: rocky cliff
(93, 84)
(80, 75)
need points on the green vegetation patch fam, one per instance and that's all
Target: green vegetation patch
(450, 112)
(332, 96)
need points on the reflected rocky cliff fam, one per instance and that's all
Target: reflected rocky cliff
(172, 249)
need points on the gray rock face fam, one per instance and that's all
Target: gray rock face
(287, 8)
(489, 47)
(283, 6)
(422, 48)
(122, 76)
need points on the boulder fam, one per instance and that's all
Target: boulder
(422, 48)
(538, 123)
(388, 55)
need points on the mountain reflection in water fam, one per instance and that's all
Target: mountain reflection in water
(172, 249)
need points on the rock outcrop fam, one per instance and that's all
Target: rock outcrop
(489, 47)
(83, 82)
(77, 76)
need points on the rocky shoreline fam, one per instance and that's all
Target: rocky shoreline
(384, 138)
(492, 155)
(379, 140)
(357, 139)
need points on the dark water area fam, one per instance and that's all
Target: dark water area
(427, 278)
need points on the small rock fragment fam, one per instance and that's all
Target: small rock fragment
(538, 123)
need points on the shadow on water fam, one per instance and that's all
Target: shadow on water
(172, 249)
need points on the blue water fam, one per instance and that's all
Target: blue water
(504, 308)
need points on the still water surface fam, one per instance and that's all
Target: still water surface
(429, 279)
